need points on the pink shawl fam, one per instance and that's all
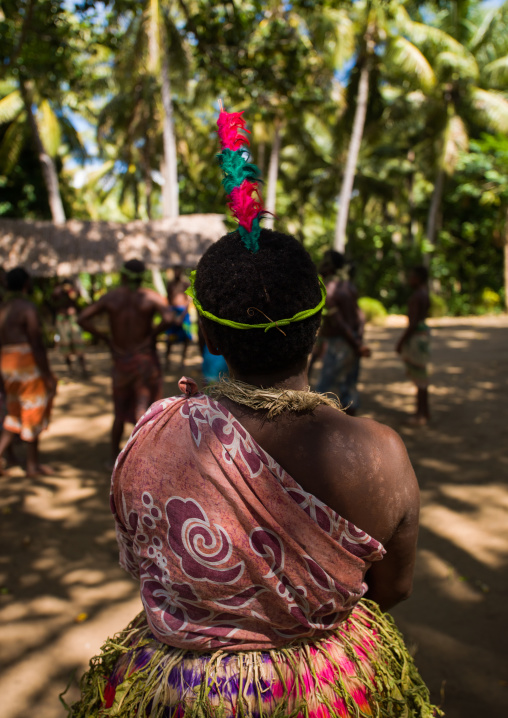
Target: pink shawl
(229, 550)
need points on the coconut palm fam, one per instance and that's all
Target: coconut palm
(464, 98)
(148, 52)
(38, 59)
(369, 35)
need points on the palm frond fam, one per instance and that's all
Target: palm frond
(343, 34)
(487, 26)
(496, 72)
(12, 144)
(72, 137)
(49, 128)
(10, 106)
(450, 62)
(433, 38)
(491, 109)
(411, 61)
(456, 140)
(95, 176)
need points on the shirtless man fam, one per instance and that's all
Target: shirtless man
(29, 384)
(342, 332)
(137, 377)
(414, 344)
(179, 331)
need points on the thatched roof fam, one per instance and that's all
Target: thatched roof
(46, 249)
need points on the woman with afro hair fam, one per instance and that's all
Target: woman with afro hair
(268, 530)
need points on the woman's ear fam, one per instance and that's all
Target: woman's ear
(210, 345)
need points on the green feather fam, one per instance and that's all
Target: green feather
(251, 239)
(236, 169)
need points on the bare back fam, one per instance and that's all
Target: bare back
(16, 315)
(342, 309)
(131, 315)
(418, 306)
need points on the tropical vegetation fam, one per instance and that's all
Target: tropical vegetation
(381, 126)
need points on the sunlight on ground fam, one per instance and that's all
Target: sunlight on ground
(63, 591)
(479, 506)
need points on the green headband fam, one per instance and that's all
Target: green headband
(129, 274)
(298, 317)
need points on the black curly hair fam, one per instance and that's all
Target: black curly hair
(279, 280)
(17, 279)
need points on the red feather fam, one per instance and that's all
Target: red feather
(245, 203)
(231, 126)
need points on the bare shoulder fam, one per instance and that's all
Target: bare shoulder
(152, 296)
(24, 307)
(367, 440)
(367, 465)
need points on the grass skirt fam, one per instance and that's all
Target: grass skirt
(361, 669)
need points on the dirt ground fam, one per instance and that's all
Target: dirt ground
(62, 591)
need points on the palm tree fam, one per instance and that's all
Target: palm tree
(141, 110)
(38, 59)
(370, 34)
(30, 116)
(462, 100)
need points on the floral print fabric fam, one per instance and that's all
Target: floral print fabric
(229, 550)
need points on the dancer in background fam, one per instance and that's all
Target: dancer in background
(137, 377)
(29, 384)
(69, 337)
(414, 344)
(342, 332)
(180, 330)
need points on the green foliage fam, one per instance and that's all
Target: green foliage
(374, 311)
(438, 306)
(438, 81)
(490, 300)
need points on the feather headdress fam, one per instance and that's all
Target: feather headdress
(240, 177)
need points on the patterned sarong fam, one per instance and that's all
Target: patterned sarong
(251, 587)
(28, 401)
(137, 383)
(416, 356)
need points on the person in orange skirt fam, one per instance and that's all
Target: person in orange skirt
(29, 384)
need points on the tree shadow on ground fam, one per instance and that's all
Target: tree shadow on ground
(63, 592)
(455, 618)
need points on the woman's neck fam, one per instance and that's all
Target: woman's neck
(297, 381)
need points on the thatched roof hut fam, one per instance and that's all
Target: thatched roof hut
(46, 249)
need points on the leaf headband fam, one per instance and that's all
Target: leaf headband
(298, 317)
(240, 180)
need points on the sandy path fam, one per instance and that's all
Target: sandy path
(62, 590)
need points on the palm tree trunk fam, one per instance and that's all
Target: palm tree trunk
(410, 184)
(261, 158)
(435, 205)
(147, 170)
(49, 172)
(158, 282)
(273, 172)
(170, 206)
(344, 199)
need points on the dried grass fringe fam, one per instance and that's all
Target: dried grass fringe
(399, 691)
(276, 401)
